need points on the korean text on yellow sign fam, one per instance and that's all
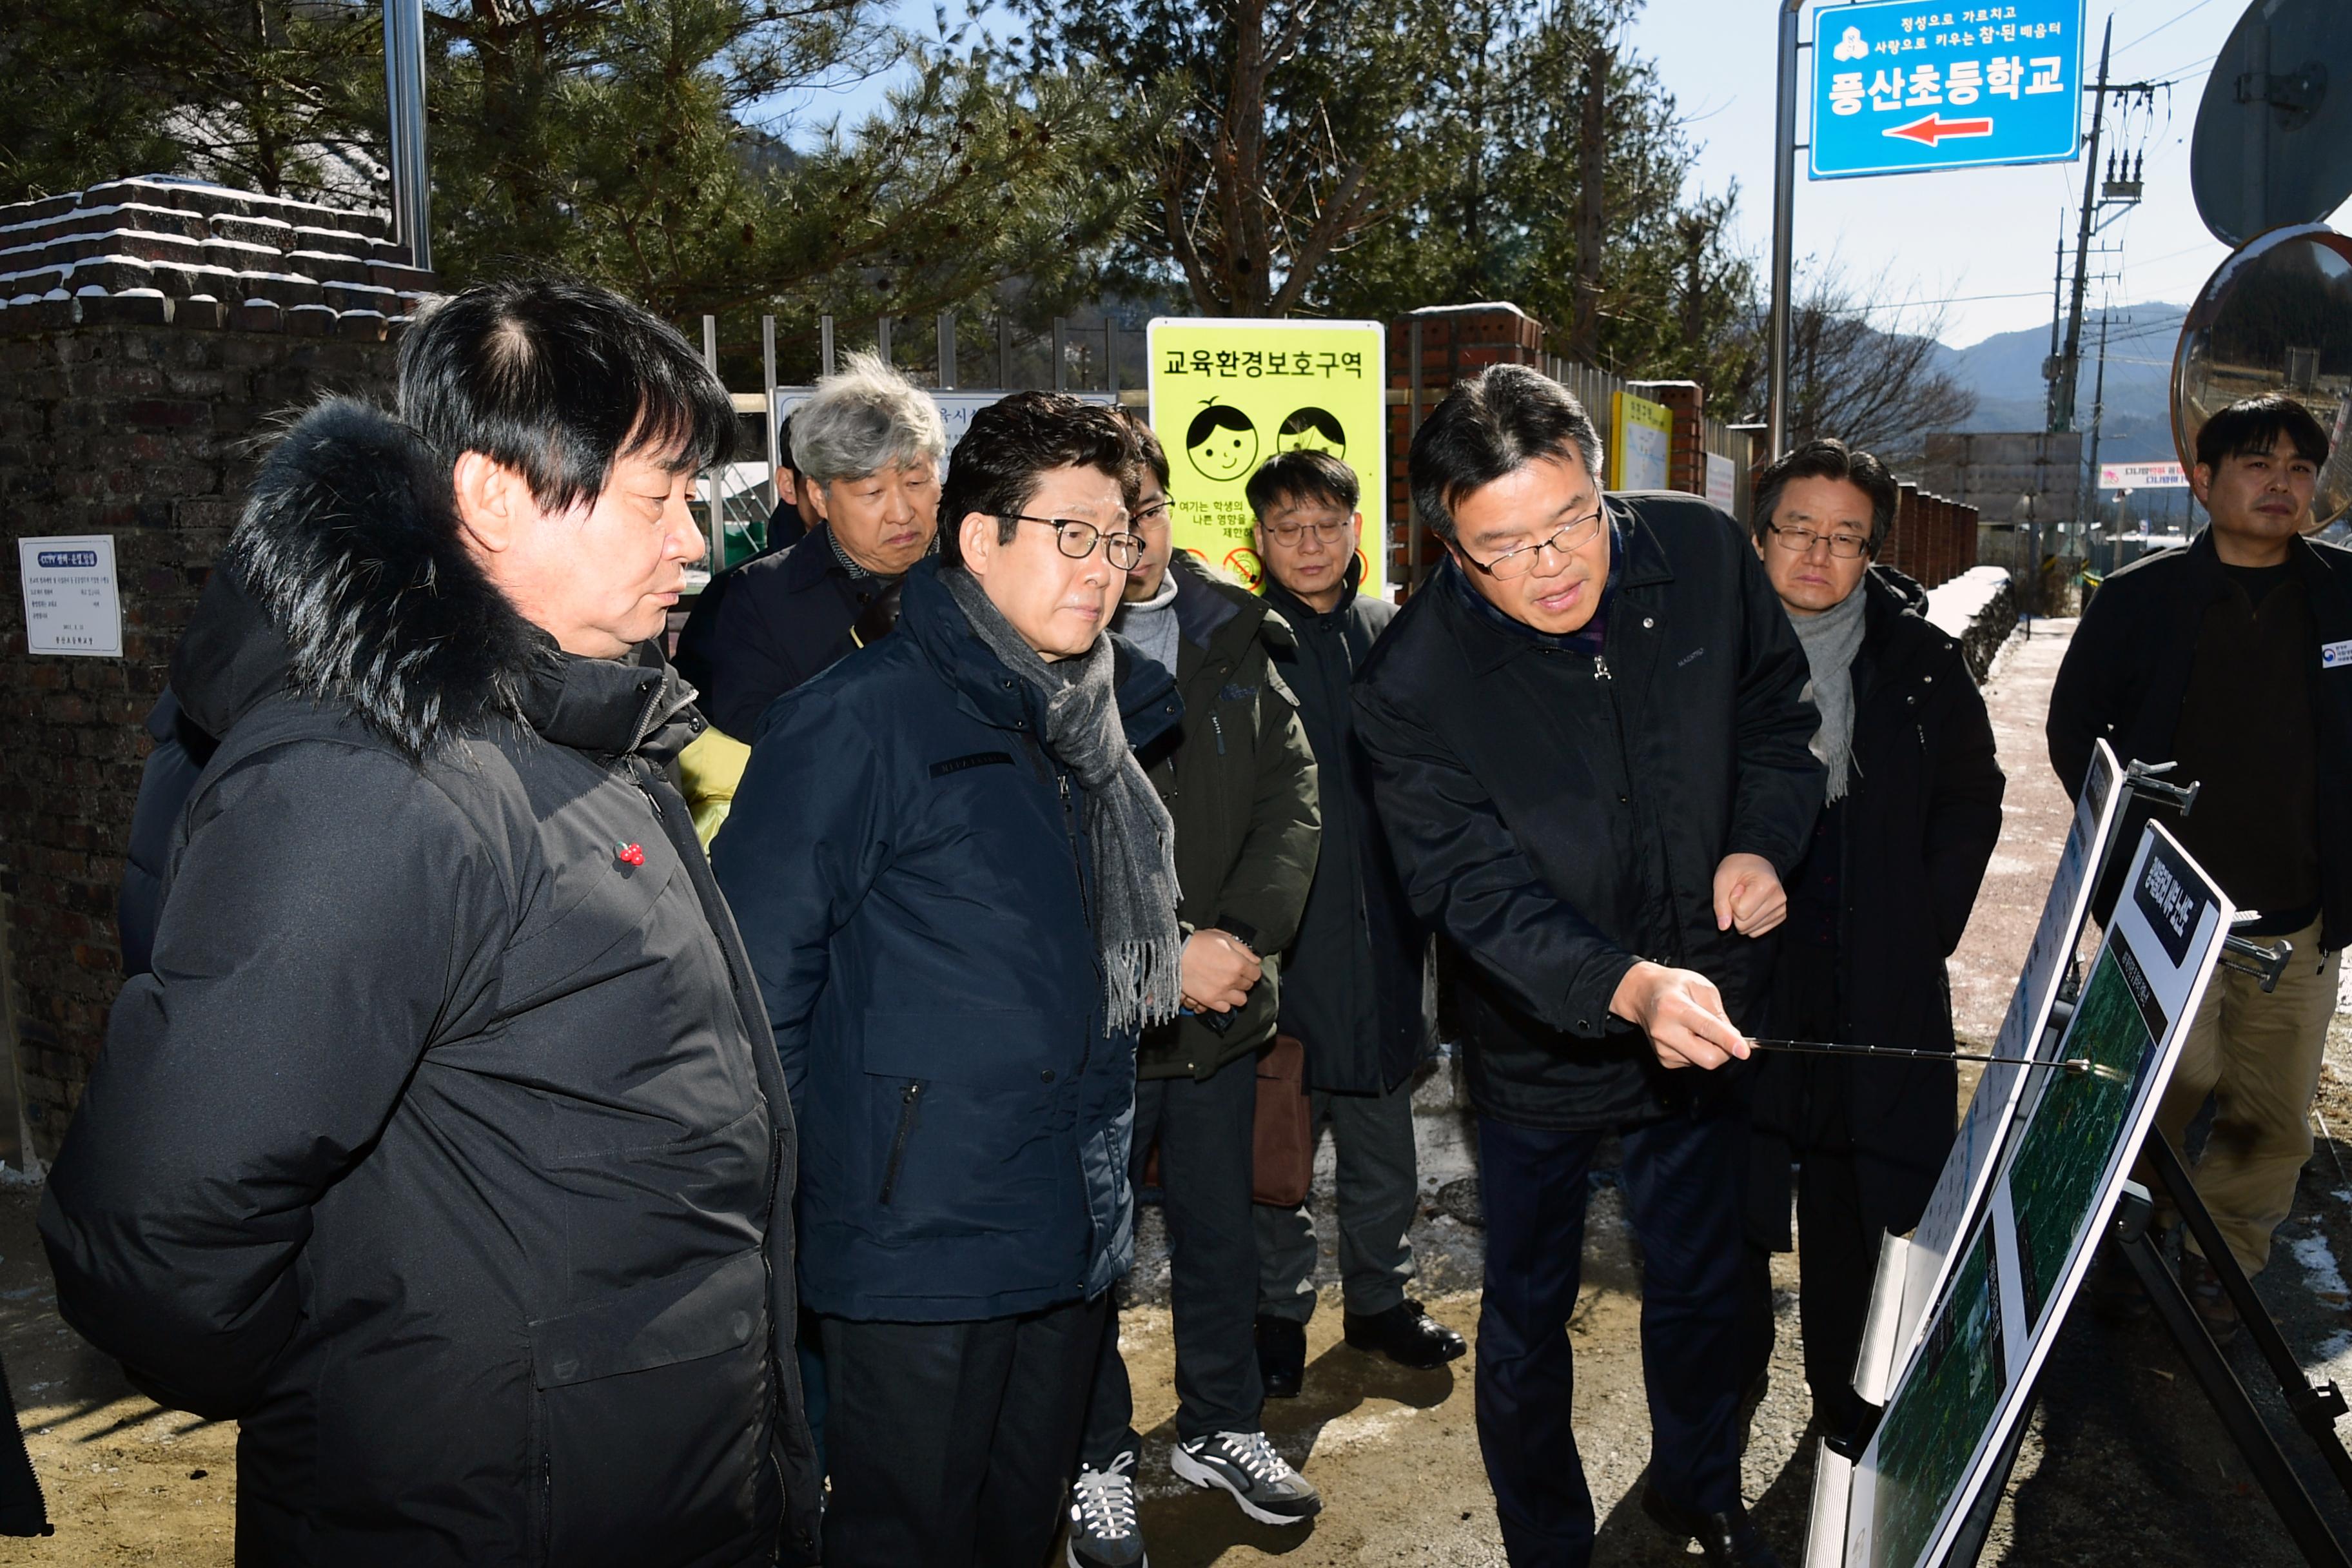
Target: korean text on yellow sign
(1228, 394)
(1641, 440)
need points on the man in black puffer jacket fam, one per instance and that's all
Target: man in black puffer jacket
(443, 1149)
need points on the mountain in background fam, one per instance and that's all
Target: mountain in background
(2005, 373)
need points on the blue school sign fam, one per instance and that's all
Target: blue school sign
(1899, 87)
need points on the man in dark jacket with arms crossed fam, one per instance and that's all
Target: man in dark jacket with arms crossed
(443, 1149)
(2232, 657)
(1590, 750)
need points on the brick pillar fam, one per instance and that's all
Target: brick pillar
(130, 413)
(1456, 342)
(1909, 546)
(1687, 450)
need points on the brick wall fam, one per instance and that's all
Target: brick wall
(115, 420)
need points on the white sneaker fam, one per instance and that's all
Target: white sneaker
(1245, 1464)
(1104, 1532)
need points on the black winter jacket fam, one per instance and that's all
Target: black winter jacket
(1559, 817)
(1239, 779)
(2126, 673)
(1920, 817)
(1351, 983)
(179, 752)
(911, 870)
(442, 1150)
(768, 625)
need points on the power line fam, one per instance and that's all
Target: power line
(2161, 26)
(1917, 304)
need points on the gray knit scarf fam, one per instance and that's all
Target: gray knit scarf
(1832, 639)
(1132, 836)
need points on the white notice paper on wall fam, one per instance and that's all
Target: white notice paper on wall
(1722, 481)
(71, 605)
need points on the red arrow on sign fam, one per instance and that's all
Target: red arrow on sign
(1936, 127)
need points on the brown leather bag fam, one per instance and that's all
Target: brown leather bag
(1282, 1166)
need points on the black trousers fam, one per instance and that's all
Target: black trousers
(1681, 1182)
(1204, 1129)
(951, 1443)
(1837, 1266)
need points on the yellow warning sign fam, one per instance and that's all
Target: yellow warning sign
(1228, 394)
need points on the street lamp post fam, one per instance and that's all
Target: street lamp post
(404, 81)
(1784, 225)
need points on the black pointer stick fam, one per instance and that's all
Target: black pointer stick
(2077, 1064)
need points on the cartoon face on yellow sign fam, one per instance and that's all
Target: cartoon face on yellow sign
(1227, 395)
(1222, 443)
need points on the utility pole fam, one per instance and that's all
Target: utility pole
(2089, 510)
(2070, 363)
(2057, 317)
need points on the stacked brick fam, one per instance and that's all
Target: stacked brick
(136, 415)
(1934, 539)
(151, 251)
(1457, 340)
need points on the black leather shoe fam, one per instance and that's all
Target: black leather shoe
(1406, 1335)
(1281, 1356)
(1727, 1540)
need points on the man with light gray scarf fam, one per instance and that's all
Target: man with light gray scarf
(1875, 908)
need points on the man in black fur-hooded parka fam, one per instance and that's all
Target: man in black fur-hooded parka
(446, 1148)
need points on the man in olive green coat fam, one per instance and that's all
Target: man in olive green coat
(1239, 779)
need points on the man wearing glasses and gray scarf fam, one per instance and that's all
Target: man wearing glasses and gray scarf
(1877, 904)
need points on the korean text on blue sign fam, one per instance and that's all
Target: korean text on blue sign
(1900, 89)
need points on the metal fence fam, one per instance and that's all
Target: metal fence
(1102, 351)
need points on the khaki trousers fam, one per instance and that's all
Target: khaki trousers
(2258, 1056)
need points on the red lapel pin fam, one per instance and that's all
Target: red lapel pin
(629, 854)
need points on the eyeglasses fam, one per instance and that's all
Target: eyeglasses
(1290, 533)
(1077, 540)
(1156, 512)
(1799, 541)
(1518, 563)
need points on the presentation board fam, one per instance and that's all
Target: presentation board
(2024, 1028)
(1228, 394)
(2056, 1182)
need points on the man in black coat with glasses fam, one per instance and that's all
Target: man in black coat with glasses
(1589, 745)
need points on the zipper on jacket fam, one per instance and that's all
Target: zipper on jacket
(910, 1098)
(1070, 832)
(1602, 677)
(706, 890)
(1086, 904)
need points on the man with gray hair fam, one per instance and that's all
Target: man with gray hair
(868, 447)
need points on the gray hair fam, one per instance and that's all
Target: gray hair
(1495, 423)
(864, 418)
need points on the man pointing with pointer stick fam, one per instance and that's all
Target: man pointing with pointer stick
(1589, 744)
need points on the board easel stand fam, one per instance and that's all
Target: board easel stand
(2314, 1406)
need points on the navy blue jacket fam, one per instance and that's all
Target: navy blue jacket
(1351, 982)
(909, 869)
(766, 625)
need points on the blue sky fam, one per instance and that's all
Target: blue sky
(1974, 245)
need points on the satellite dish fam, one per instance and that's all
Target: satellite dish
(2276, 317)
(2274, 142)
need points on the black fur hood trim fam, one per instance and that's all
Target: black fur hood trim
(350, 544)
